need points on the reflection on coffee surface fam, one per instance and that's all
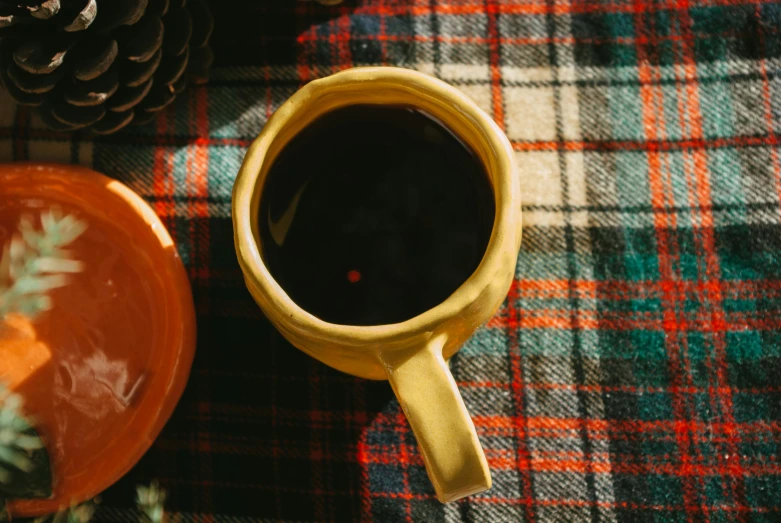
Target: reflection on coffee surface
(374, 214)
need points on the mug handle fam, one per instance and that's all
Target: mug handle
(436, 412)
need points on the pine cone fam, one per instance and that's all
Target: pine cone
(101, 64)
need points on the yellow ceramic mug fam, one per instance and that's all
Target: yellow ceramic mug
(413, 354)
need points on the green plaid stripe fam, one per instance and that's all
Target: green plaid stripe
(632, 373)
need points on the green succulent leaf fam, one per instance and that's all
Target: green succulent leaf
(151, 501)
(25, 467)
(36, 261)
(76, 514)
(32, 481)
(79, 514)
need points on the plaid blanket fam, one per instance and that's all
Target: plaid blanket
(633, 373)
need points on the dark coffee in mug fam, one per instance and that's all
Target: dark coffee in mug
(374, 214)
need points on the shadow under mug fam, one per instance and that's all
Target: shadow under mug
(413, 354)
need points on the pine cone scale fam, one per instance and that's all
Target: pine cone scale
(95, 56)
(34, 83)
(134, 74)
(157, 7)
(113, 122)
(93, 92)
(83, 18)
(128, 97)
(141, 43)
(172, 68)
(158, 98)
(19, 96)
(177, 39)
(78, 116)
(203, 23)
(178, 86)
(143, 118)
(116, 13)
(41, 57)
(48, 119)
(45, 10)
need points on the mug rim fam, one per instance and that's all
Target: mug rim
(505, 232)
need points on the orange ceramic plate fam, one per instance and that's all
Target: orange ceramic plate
(102, 371)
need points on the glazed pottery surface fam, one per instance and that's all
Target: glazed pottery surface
(102, 371)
